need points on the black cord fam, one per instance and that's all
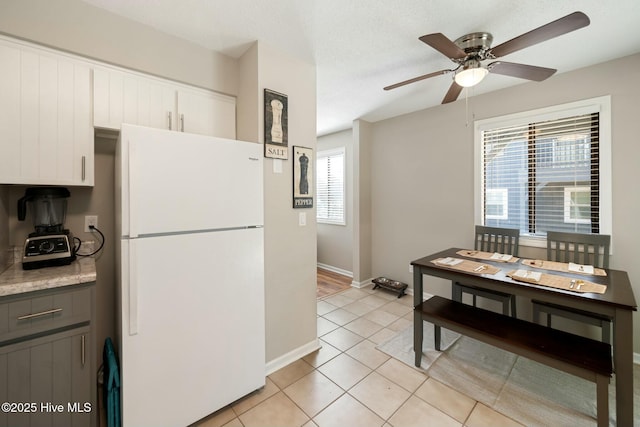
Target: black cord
(91, 227)
(75, 250)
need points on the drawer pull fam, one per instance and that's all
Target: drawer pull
(42, 313)
(82, 350)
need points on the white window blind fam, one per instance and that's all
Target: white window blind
(551, 172)
(330, 186)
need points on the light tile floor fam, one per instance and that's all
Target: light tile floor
(348, 382)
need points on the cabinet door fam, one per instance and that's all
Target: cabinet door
(10, 159)
(108, 94)
(48, 372)
(121, 97)
(46, 122)
(155, 104)
(207, 113)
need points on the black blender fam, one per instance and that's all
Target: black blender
(50, 244)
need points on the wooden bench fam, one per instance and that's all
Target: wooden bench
(583, 357)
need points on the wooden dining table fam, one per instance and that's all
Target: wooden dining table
(617, 302)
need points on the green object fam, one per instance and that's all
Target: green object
(111, 385)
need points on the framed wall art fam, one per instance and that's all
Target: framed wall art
(276, 123)
(303, 177)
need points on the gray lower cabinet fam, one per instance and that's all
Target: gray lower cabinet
(47, 377)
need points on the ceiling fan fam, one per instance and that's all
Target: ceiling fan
(470, 50)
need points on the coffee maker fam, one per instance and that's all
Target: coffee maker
(51, 244)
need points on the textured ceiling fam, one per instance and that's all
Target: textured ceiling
(360, 46)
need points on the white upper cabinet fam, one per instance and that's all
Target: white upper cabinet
(121, 96)
(50, 103)
(206, 113)
(46, 130)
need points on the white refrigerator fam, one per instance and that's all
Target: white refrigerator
(189, 218)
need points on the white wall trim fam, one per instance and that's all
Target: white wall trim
(362, 284)
(335, 269)
(292, 356)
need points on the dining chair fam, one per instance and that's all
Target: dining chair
(491, 239)
(586, 249)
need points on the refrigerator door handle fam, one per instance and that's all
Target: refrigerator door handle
(133, 196)
(133, 289)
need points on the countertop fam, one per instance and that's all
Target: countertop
(14, 280)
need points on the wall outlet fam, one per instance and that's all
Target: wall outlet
(90, 220)
(410, 268)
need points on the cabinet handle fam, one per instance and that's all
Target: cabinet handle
(82, 352)
(169, 119)
(181, 122)
(84, 169)
(42, 313)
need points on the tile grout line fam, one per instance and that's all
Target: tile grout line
(411, 393)
(355, 297)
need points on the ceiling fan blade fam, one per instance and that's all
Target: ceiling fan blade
(553, 29)
(442, 44)
(417, 79)
(452, 93)
(529, 72)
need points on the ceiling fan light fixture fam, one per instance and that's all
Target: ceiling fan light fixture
(471, 76)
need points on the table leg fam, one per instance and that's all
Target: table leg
(417, 336)
(456, 292)
(417, 315)
(623, 365)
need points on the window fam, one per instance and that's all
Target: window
(330, 186)
(497, 203)
(547, 169)
(577, 205)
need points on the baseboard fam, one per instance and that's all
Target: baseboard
(292, 356)
(362, 284)
(335, 269)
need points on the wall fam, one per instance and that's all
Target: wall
(362, 205)
(290, 249)
(335, 242)
(80, 28)
(424, 201)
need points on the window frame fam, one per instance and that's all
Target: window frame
(601, 105)
(329, 153)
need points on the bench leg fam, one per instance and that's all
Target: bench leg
(437, 334)
(602, 400)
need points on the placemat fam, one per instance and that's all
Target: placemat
(558, 282)
(489, 256)
(465, 265)
(559, 266)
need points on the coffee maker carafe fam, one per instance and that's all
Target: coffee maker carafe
(50, 244)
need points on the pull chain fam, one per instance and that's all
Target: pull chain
(466, 106)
